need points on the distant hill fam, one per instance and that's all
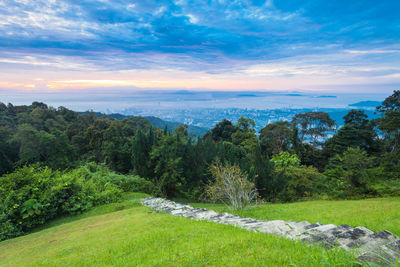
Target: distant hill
(159, 123)
(366, 104)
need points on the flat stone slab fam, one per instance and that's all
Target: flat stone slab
(380, 247)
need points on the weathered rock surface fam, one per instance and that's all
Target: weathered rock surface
(381, 247)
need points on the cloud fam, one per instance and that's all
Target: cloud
(261, 39)
(200, 29)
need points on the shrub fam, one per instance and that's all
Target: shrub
(302, 182)
(7, 228)
(136, 184)
(353, 175)
(126, 183)
(32, 195)
(231, 186)
(285, 159)
(23, 198)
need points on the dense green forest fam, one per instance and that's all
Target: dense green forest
(55, 161)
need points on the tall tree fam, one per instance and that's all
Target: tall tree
(276, 137)
(117, 147)
(141, 149)
(7, 154)
(244, 134)
(223, 131)
(357, 132)
(355, 117)
(261, 171)
(168, 170)
(390, 122)
(314, 125)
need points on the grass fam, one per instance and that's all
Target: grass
(129, 200)
(376, 214)
(138, 236)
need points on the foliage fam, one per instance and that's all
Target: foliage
(296, 181)
(285, 159)
(244, 135)
(61, 138)
(354, 174)
(177, 164)
(32, 195)
(142, 146)
(166, 157)
(391, 103)
(302, 182)
(275, 137)
(223, 131)
(231, 186)
(181, 130)
(312, 156)
(261, 173)
(313, 125)
(390, 123)
(357, 132)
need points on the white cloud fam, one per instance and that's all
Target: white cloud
(193, 19)
(372, 51)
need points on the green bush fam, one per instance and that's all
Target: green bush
(137, 184)
(285, 159)
(7, 228)
(302, 182)
(23, 199)
(127, 183)
(32, 195)
(354, 174)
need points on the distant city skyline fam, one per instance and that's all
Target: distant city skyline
(85, 48)
(164, 102)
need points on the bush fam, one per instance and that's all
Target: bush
(285, 159)
(23, 197)
(353, 175)
(137, 184)
(231, 186)
(7, 228)
(32, 195)
(387, 188)
(127, 183)
(302, 182)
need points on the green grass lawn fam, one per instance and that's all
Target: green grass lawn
(376, 214)
(138, 236)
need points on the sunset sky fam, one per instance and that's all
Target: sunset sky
(74, 47)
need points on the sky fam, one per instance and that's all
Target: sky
(70, 47)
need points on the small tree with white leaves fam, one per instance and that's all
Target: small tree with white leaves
(231, 186)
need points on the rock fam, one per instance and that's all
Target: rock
(310, 226)
(395, 245)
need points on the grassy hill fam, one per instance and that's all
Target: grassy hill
(128, 234)
(138, 236)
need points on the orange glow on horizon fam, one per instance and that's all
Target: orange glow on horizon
(256, 77)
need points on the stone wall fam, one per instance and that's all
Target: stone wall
(381, 247)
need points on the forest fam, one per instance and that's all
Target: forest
(56, 161)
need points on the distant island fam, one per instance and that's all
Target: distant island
(366, 104)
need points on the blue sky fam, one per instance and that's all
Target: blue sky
(68, 45)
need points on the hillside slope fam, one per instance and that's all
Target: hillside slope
(141, 237)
